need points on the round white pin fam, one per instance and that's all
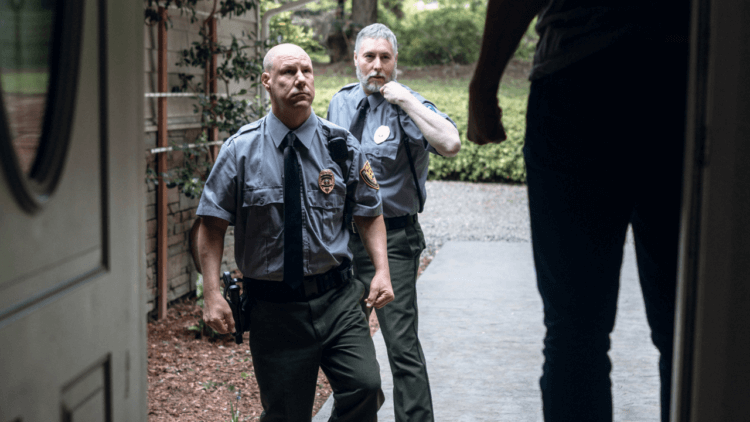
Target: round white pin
(381, 134)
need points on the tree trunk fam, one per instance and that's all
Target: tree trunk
(364, 12)
(336, 41)
(338, 49)
(395, 7)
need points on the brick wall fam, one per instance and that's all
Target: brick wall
(183, 127)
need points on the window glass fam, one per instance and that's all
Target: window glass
(25, 40)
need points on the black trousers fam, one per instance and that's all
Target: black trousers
(604, 149)
(399, 321)
(289, 341)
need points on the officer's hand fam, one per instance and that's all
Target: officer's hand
(381, 291)
(485, 125)
(217, 314)
(394, 92)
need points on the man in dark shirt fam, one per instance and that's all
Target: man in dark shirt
(604, 150)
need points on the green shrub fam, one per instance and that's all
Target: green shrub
(444, 35)
(282, 30)
(488, 163)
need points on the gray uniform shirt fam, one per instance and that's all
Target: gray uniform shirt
(246, 188)
(389, 161)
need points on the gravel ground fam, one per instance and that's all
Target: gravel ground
(473, 211)
(488, 212)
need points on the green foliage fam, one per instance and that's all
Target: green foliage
(527, 46)
(226, 112)
(191, 175)
(225, 8)
(440, 36)
(24, 82)
(488, 163)
(282, 30)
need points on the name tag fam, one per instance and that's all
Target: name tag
(381, 134)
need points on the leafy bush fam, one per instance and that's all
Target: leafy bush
(527, 46)
(488, 163)
(282, 30)
(440, 36)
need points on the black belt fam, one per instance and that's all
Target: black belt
(312, 286)
(393, 223)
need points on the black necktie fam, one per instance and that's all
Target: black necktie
(358, 123)
(293, 271)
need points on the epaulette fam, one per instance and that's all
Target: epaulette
(248, 127)
(348, 87)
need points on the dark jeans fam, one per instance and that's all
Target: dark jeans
(604, 149)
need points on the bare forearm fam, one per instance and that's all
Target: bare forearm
(373, 234)
(210, 250)
(507, 21)
(438, 131)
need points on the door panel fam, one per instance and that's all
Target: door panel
(39, 264)
(72, 309)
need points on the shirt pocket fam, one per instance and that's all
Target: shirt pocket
(327, 213)
(382, 158)
(264, 211)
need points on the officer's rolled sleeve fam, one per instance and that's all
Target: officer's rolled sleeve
(367, 201)
(219, 194)
(412, 131)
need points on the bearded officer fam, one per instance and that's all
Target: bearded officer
(398, 129)
(277, 182)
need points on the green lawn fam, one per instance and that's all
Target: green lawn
(491, 163)
(24, 83)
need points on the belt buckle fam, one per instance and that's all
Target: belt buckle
(310, 287)
(354, 227)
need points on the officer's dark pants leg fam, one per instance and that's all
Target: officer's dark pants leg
(412, 400)
(289, 341)
(604, 147)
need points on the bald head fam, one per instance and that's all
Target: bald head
(290, 50)
(288, 78)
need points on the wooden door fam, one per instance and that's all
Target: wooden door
(72, 317)
(712, 348)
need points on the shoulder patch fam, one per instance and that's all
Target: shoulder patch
(368, 176)
(250, 126)
(348, 87)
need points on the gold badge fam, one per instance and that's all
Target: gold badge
(368, 176)
(326, 181)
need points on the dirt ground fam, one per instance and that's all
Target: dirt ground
(201, 379)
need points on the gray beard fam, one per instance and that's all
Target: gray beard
(373, 87)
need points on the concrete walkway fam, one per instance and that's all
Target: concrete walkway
(481, 330)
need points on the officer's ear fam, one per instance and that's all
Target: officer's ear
(265, 79)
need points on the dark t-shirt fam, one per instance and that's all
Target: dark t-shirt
(570, 30)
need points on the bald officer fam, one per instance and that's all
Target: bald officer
(278, 183)
(397, 129)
